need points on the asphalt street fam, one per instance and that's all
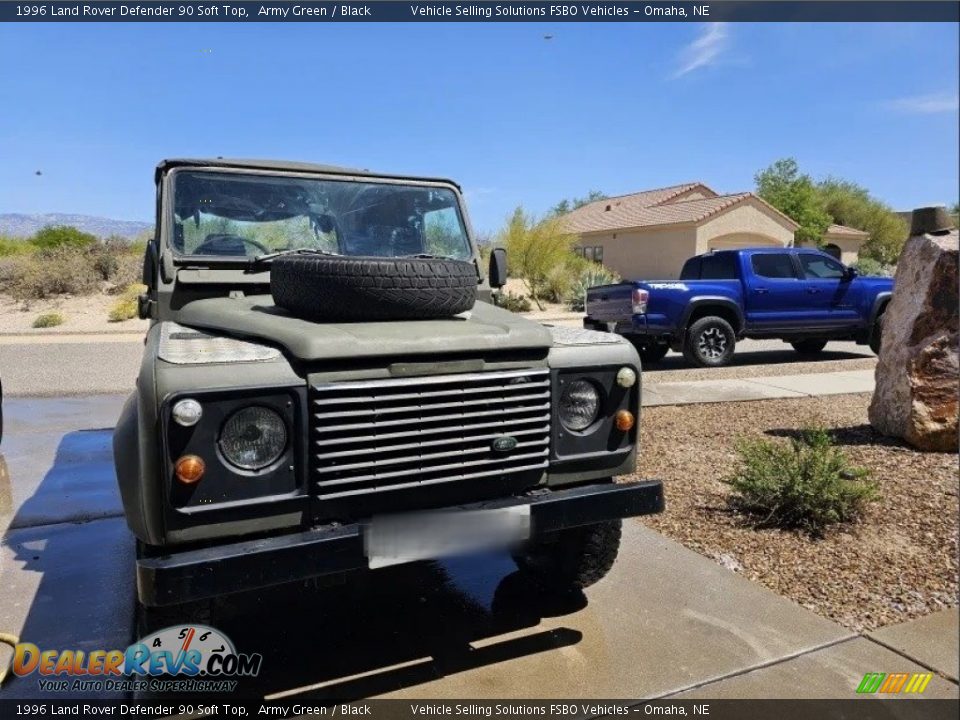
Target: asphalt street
(92, 365)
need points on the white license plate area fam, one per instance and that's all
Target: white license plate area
(396, 539)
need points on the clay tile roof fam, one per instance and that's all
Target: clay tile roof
(845, 231)
(647, 209)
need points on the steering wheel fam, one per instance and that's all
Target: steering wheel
(220, 244)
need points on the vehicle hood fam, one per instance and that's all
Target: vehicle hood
(483, 328)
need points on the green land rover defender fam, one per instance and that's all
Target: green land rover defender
(328, 385)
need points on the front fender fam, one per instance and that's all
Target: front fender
(135, 454)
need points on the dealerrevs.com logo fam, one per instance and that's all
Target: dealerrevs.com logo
(183, 658)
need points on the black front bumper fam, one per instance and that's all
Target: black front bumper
(208, 572)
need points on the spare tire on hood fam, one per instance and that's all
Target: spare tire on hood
(339, 288)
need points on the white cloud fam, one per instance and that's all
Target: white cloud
(926, 104)
(712, 41)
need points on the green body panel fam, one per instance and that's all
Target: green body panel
(485, 328)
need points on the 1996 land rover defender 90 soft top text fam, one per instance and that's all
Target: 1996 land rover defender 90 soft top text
(327, 385)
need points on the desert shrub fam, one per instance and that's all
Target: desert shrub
(513, 303)
(870, 267)
(807, 484)
(10, 269)
(557, 284)
(589, 277)
(129, 272)
(105, 263)
(57, 271)
(48, 320)
(62, 236)
(11, 246)
(125, 308)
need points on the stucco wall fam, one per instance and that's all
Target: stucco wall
(743, 226)
(645, 255)
(849, 247)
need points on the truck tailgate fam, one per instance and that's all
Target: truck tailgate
(610, 303)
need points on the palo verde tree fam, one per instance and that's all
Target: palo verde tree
(796, 196)
(536, 247)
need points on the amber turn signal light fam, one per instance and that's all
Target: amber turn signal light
(189, 469)
(624, 420)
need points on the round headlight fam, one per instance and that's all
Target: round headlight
(253, 438)
(579, 405)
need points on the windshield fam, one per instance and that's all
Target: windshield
(228, 215)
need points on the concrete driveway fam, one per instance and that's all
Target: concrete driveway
(666, 621)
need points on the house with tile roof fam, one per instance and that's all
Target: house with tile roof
(651, 234)
(844, 243)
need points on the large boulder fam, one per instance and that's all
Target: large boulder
(916, 396)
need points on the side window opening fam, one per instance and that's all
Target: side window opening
(777, 266)
(691, 269)
(719, 267)
(819, 267)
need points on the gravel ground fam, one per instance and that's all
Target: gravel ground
(87, 314)
(900, 562)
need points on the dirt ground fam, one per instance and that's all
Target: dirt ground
(898, 563)
(87, 314)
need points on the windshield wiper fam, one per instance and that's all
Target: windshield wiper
(267, 257)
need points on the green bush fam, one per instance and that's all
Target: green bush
(48, 320)
(590, 277)
(126, 306)
(874, 268)
(62, 236)
(807, 484)
(11, 246)
(513, 303)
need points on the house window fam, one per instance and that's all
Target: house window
(578, 251)
(588, 253)
(598, 254)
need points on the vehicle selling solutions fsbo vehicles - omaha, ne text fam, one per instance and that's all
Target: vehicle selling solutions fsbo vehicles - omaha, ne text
(327, 385)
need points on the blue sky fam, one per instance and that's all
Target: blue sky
(513, 117)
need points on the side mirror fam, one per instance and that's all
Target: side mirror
(150, 264)
(851, 273)
(498, 268)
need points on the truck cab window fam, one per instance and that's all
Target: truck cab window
(773, 265)
(691, 269)
(719, 267)
(820, 267)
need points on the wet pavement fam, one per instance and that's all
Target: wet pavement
(665, 621)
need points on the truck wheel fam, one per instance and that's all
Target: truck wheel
(710, 342)
(809, 347)
(572, 559)
(876, 335)
(352, 289)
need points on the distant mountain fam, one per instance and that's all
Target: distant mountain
(22, 225)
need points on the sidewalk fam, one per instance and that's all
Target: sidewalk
(765, 388)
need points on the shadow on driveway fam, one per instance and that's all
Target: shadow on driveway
(67, 582)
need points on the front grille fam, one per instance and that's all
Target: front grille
(382, 435)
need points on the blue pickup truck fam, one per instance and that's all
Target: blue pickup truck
(800, 295)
